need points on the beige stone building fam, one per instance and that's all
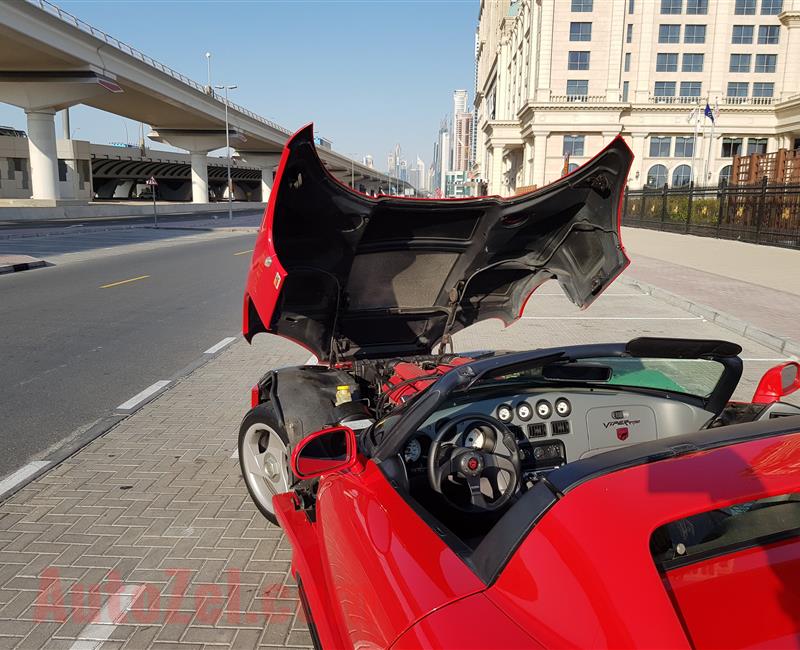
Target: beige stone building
(566, 76)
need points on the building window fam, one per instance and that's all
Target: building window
(629, 34)
(691, 88)
(660, 147)
(577, 88)
(626, 85)
(740, 63)
(656, 176)
(62, 170)
(771, 7)
(581, 5)
(669, 33)
(696, 6)
(766, 62)
(578, 60)
(742, 34)
(694, 34)
(692, 63)
(756, 145)
(731, 147)
(763, 89)
(666, 63)
(768, 34)
(671, 6)
(745, 8)
(572, 167)
(725, 174)
(573, 145)
(627, 61)
(630, 6)
(580, 31)
(663, 90)
(684, 146)
(682, 176)
(737, 89)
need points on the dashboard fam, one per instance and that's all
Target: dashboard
(556, 426)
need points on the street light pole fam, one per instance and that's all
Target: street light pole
(228, 148)
(208, 63)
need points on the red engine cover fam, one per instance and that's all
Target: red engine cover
(401, 385)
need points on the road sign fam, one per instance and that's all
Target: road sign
(151, 181)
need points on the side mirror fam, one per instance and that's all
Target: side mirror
(329, 450)
(778, 382)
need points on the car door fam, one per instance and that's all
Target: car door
(385, 567)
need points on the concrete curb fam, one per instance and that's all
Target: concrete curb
(22, 266)
(782, 344)
(111, 419)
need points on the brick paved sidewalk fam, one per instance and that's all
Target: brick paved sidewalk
(156, 511)
(158, 504)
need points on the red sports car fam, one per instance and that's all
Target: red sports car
(599, 495)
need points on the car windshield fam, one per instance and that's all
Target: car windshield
(696, 377)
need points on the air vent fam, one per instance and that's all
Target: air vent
(537, 430)
(560, 427)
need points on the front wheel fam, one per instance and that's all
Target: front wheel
(264, 458)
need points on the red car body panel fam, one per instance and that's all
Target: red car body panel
(377, 574)
(382, 567)
(739, 600)
(585, 577)
(473, 623)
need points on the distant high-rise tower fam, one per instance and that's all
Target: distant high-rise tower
(368, 161)
(459, 102)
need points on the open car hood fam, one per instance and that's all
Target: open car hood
(351, 276)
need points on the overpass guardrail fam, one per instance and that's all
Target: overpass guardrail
(70, 19)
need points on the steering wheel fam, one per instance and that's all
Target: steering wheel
(472, 465)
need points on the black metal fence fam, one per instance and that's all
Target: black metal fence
(762, 214)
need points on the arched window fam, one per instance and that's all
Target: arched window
(657, 176)
(725, 174)
(681, 176)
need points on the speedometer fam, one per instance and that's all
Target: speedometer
(413, 451)
(474, 439)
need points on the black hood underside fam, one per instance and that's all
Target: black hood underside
(377, 277)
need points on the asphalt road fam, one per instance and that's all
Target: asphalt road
(78, 340)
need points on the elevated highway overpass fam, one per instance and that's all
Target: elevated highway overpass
(51, 60)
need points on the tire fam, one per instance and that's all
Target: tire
(264, 458)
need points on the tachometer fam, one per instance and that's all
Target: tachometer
(474, 439)
(413, 451)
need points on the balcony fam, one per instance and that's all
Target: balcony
(748, 101)
(672, 99)
(578, 99)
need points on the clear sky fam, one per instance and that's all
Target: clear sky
(368, 73)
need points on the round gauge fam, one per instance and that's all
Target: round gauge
(504, 413)
(524, 411)
(413, 451)
(474, 439)
(543, 409)
(563, 407)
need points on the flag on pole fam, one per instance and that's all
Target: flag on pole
(709, 113)
(693, 115)
(565, 168)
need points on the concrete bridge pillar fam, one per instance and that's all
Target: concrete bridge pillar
(268, 161)
(199, 176)
(40, 94)
(43, 155)
(198, 143)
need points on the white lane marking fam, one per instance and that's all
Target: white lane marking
(235, 453)
(784, 360)
(312, 361)
(94, 634)
(613, 318)
(21, 474)
(147, 392)
(216, 348)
